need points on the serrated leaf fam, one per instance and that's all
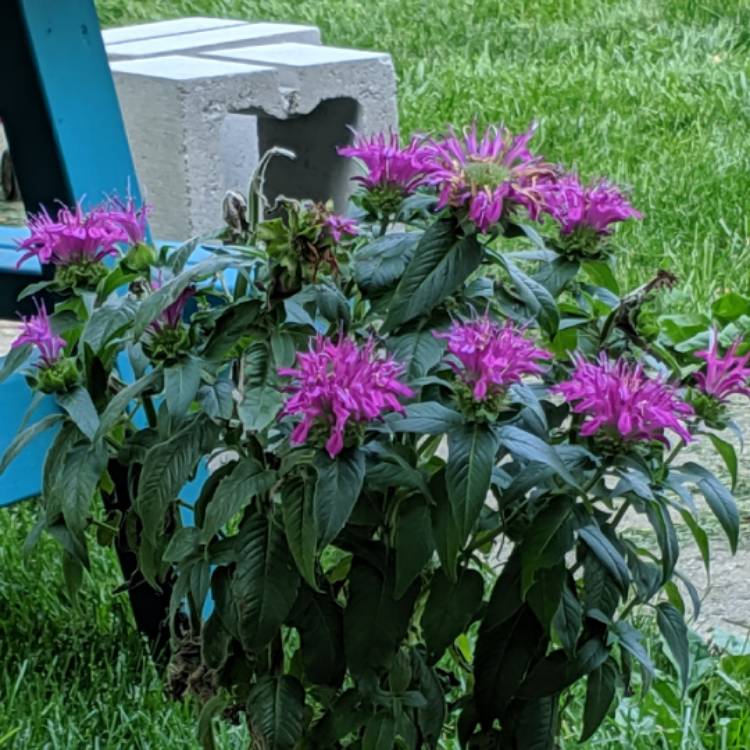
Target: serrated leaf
(298, 512)
(471, 458)
(14, 359)
(674, 631)
(419, 351)
(538, 724)
(260, 407)
(412, 542)
(80, 408)
(441, 263)
(449, 609)
(276, 710)
(607, 554)
(108, 322)
(427, 418)
(728, 455)
(529, 447)
(337, 489)
(234, 322)
(600, 692)
(380, 733)
(83, 468)
(379, 264)
(119, 403)
(181, 382)
(566, 622)
(265, 582)
(23, 438)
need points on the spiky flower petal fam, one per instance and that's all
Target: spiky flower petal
(725, 375)
(37, 330)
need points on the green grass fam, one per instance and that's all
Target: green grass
(652, 93)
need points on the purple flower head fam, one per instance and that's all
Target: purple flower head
(338, 226)
(621, 399)
(37, 330)
(75, 236)
(171, 316)
(575, 206)
(389, 165)
(490, 356)
(490, 174)
(724, 375)
(336, 384)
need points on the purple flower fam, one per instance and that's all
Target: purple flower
(490, 356)
(338, 226)
(337, 384)
(724, 375)
(37, 330)
(489, 175)
(619, 398)
(575, 206)
(171, 316)
(76, 236)
(389, 165)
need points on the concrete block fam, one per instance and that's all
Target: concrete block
(191, 134)
(214, 39)
(165, 28)
(327, 92)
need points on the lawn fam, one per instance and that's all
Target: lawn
(652, 93)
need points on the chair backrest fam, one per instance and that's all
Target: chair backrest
(62, 119)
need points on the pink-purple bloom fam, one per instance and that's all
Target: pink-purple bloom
(725, 375)
(336, 384)
(389, 165)
(77, 236)
(489, 357)
(620, 399)
(575, 205)
(37, 330)
(338, 226)
(171, 316)
(489, 174)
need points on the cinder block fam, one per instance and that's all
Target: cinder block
(165, 28)
(214, 39)
(191, 134)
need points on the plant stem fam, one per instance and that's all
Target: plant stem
(678, 447)
(620, 513)
(148, 407)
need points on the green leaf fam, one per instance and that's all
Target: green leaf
(505, 599)
(600, 591)
(118, 405)
(413, 542)
(185, 542)
(13, 360)
(298, 512)
(447, 539)
(431, 717)
(345, 716)
(212, 708)
(471, 458)
(23, 438)
(108, 322)
(84, 466)
(235, 492)
(375, 622)
(522, 444)
(600, 692)
(181, 383)
(336, 491)
(567, 621)
(449, 610)
(728, 455)
(276, 710)
(156, 302)
(441, 263)
(548, 539)
(380, 733)
(607, 554)
(720, 500)
(80, 408)
(630, 639)
(699, 535)
(503, 655)
(265, 582)
(428, 418)
(538, 724)
(319, 621)
(379, 264)
(167, 467)
(545, 596)
(601, 274)
(216, 398)
(419, 351)
(260, 407)
(666, 536)
(234, 322)
(674, 631)
(730, 307)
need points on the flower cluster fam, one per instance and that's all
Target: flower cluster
(75, 236)
(594, 208)
(489, 175)
(337, 226)
(37, 331)
(621, 400)
(337, 384)
(725, 375)
(489, 357)
(389, 165)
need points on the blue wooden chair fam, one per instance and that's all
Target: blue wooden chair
(65, 131)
